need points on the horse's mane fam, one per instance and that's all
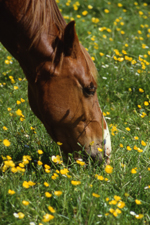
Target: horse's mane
(39, 15)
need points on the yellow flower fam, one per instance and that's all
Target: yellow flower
(57, 159)
(21, 215)
(120, 5)
(93, 58)
(31, 183)
(140, 13)
(121, 204)
(117, 198)
(47, 217)
(141, 90)
(9, 109)
(59, 143)
(95, 195)
(40, 152)
(140, 216)
(7, 62)
(129, 148)
(25, 184)
(11, 192)
(19, 112)
(111, 210)
(5, 128)
(118, 211)
(127, 128)
(136, 138)
(6, 142)
(133, 171)
(47, 166)
(108, 169)
(138, 202)
(46, 184)
(146, 103)
(143, 143)
(99, 177)
(51, 209)
(90, 7)
(100, 149)
(22, 100)
(113, 202)
(25, 202)
(80, 162)
(39, 163)
(84, 13)
(106, 11)
(15, 87)
(58, 193)
(48, 195)
(95, 20)
(14, 170)
(64, 171)
(73, 182)
(121, 145)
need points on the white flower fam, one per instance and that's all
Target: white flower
(146, 187)
(32, 223)
(15, 215)
(133, 213)
(53, 157)
(99, 216)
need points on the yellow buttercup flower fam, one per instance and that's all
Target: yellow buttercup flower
(121, 204)
(51, 209)
(133, 171)
(143, 143)
(48, 195)
(84, 13)
(21, 215)
(129, 148)
(58, 193)
(40, 152)
(106, 11)
(140, 216)
(5, 128)
(47, 217)
(95, 195)
(6, 142)
(73, 182)
(25, 203)
(11, 192)
(108, 169)
(46, 184)
(138, 202)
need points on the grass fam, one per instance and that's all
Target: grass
(118, 40)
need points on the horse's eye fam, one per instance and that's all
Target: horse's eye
(90, 90)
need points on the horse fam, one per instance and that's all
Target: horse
(62, 78)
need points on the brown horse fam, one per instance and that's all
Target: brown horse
(61, 75)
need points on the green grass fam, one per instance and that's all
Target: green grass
(121, 75)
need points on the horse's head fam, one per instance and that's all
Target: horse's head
(68, 99)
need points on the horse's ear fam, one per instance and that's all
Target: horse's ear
(71, 41)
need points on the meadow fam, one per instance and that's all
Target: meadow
(38, 186)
